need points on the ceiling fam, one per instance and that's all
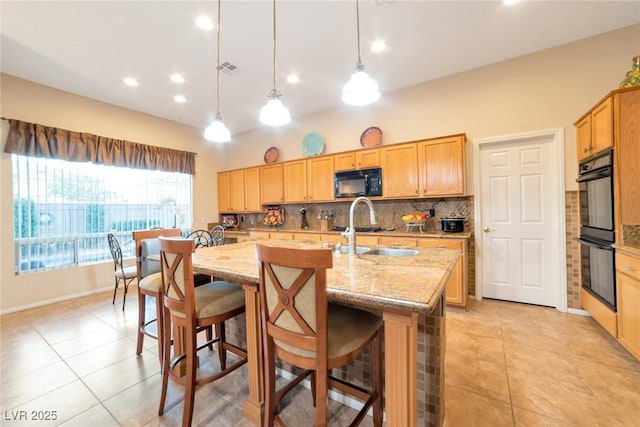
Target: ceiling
(87, 47)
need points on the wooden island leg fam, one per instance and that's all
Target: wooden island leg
(253, 407)
(401, 367)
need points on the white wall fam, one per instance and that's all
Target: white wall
(34, 103)
(545, 90)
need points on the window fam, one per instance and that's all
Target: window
(64, 210)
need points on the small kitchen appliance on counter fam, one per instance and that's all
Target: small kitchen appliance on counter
(453, 224)
(229, 220)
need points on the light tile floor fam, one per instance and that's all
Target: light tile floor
(506, 365)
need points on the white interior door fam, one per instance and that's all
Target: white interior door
(521, 228)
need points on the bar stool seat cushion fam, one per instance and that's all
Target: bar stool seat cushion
(152, 282)
(216, 298)
(348, 329)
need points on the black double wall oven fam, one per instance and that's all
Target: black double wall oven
(597, 232)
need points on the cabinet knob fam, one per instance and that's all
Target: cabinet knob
(586, 149)
(486, 229)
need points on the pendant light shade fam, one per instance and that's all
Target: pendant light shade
(360, 89)
(217, 131)
(274, 113)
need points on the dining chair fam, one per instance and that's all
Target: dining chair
(301, 328)
(218, 235)
(192, 309)
(202, 238)
(121, 273)
(149, 283)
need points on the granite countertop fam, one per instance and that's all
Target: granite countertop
(628, 248)
(412, 284)
(395, 233)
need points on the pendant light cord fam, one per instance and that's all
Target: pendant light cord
(274, 45)
(358, 28)
(218, 66)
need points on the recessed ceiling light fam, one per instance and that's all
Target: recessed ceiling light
(204, 23)
(510, 2)
(293, 78)
(130, 81)
(179, 98)
(177, 78)
(378, 46)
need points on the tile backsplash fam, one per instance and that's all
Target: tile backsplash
(389, 213)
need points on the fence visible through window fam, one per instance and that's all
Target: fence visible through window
(63, 211)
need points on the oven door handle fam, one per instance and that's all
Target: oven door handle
(604, 247)
(600, 173)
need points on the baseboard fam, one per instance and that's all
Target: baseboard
(55, 300)
(578, 311)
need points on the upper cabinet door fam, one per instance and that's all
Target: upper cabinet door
(602, 126)
(583, 135)
(252, 190)
(224, 199)
(295, 181)
(236, 190)
(344, 161)
(368, 158)
(594, 132)
(271, 184)
(400, 170)
(320, 179)
(442, 167)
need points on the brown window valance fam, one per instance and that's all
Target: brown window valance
(32, 139)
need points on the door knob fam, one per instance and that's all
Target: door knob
(486, 229)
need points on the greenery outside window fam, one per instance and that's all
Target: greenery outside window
(63, 210)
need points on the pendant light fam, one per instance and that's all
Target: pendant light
(217, 131)
(274, 113)
(360, 89)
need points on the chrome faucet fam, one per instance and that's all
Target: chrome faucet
(350, 233)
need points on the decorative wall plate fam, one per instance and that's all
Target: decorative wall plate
(271, 155)
(371, 137)
(312, 144)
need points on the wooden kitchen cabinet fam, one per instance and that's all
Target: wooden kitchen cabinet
(407, 242)
(362, 159)
(400, 170)
(627, 151)
(628, 301)
(224, 195)
(595, 129)
(295, 181)
(457, 286)
(442, 166)
(236, 190)
(320, 179)
(271, 184)
(366, 159)
(344, 161)
(252, 190)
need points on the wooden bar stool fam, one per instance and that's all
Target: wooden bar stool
(190, 309)
(149, 282)
(301, 328)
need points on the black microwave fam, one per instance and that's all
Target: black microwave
(364, 182)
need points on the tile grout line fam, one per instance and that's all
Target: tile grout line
(64, 360)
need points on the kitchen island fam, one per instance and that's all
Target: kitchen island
(407, 291)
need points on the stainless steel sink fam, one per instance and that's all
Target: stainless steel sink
(345, 249)
(396, 252)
